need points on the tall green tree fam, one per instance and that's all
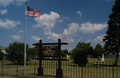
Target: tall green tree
(98, 50)
(112, 39)
(83, 45)
(15, 52)
(90, 50)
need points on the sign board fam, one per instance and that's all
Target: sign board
(49, 51)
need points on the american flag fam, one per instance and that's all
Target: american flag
(32, 12)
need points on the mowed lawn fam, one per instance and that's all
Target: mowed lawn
(70, 70)
(7, 77)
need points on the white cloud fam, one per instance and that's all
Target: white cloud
(19, 2)
(8, 24)
(47, 20)
(69, 39)
(35, 38)
(88, 40)
(79, 39)
(54, 36)
(79, 12)
(5, 3)
(66, 18)
(89, 27)
(21, 31)
(98, 38)
(73, 28)
(76, 35)
(16, 37)
(69, 49)
(3, 11)
(60, 20)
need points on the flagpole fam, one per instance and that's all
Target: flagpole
(25, 38)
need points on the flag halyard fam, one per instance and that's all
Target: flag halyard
(32, 12)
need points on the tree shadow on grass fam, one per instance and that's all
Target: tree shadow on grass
(20, 71)
(106, 65)
(45, 75)
(18, 64)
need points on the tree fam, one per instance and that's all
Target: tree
(83, 45)
(98, 50)
(112, 39)
(90, 50)
(36, 50)
(64, 53)
(79, 56)
(15, 52)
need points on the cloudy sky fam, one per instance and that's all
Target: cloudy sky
(72, 21)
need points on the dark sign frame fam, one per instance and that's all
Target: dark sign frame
(53, 49)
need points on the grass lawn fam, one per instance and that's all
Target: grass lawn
(105, 60)
(7, 77)
(105, 70)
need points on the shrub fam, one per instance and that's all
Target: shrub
(79, 56)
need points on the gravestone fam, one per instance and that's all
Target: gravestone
(99, 59)
(102, 57)
(68, 56)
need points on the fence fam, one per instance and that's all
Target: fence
(70, 70)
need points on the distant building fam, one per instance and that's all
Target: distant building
(3, 49)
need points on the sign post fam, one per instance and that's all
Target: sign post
(59, 70)
(50, 51)
(40, 69)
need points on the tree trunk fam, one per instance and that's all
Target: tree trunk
(116, 59)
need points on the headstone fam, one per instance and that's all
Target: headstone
(68, 56)
(99, 59)
(102, 57)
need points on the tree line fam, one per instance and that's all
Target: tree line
(15, 51)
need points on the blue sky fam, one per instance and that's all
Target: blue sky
(71, 20)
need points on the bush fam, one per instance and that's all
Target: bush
(79, 56)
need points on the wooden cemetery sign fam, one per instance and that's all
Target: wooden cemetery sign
(47, 50)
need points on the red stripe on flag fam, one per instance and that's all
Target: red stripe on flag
(36, 13)
(29, 13)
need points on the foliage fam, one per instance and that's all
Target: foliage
(83, 45)
(36, 50)
(112, 39)
(98, 51)
(90, 50)
(64, 53)
(79, 56)
(15, 52)
(1, 55)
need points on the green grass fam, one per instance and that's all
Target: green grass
(105, 60)
(7, 77)
(69, 69)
